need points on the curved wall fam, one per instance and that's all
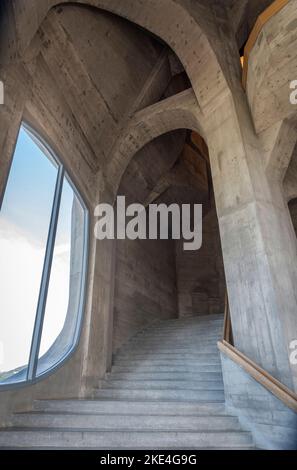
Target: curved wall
(65, 96)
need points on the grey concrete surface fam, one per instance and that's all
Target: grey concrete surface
(100, 98)
(273, 425)
(146, 412)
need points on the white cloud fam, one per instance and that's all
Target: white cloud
(21, 263)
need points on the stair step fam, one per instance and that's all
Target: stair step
(163, 350)
(105, 422)
(176, 345)
(173, 346)
(166, 362)
(143, 375)
(152, 367)
(180, 337)
(163, 356)
(210, 327)
(41, 438)
(172, 343)
(195, 329)
(188, 322)
(196, 318)
(163, 384)
(157, 394)
(191, 321)
(165, 391)
(130, 407)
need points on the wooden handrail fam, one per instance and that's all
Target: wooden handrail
(227, 333)
(283, 393)
(267, 14)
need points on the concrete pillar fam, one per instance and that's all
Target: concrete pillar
(98, 327)
(258, 247)
(15, 93)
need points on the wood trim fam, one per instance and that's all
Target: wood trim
(279, 390)
(267, 14)
(227, 333)
(227, 321)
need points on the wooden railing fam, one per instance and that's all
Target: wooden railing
(227, 333)
(226, 346)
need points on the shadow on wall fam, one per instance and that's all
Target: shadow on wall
(293, 213)
(200, 274)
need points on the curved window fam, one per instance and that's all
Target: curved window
(43, 241)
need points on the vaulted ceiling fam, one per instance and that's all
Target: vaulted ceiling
(101, 75)
(243, 15)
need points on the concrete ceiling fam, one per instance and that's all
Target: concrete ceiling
(244, 14)
(169, 169)
(104, 73)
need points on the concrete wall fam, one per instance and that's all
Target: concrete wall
(57, 94)
(274, 426)
(102, 70)
(200, 274)
(55, 82)
(145, 286)
(272, 67)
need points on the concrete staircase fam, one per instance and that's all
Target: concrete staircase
(165, 391)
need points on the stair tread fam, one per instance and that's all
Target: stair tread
(165, 391)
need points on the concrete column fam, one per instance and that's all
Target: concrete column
(16, 92)
(98, 328)
(258, 247)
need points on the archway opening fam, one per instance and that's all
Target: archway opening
(157, 279)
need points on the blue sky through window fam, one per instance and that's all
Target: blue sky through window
(31, 174)
(24, 224)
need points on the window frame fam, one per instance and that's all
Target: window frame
(31, 367)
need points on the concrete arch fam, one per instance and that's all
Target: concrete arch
(279, 143)
(173, 22)
(178, 112)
